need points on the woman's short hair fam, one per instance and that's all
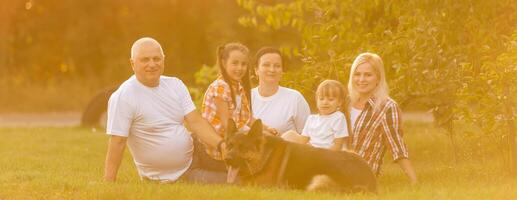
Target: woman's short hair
(265, 50)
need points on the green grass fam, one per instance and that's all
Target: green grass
(67, 163)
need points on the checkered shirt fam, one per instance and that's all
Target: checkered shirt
(374, 131)
(219, 88)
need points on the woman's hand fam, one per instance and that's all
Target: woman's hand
(272, 131)
(408, 169)
(293, 136)
(269, 131)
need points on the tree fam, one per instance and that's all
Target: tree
(426, 45)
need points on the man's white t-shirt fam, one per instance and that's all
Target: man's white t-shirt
(323, 129)
(152, 120)
(285, 110)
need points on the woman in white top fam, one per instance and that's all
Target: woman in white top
(281, 109)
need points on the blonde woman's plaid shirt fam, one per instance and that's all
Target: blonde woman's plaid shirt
(374, 131)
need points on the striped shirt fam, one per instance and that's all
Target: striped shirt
(374, 131)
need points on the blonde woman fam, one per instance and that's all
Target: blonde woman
(375, 117)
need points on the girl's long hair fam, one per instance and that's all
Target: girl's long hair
(223, 53)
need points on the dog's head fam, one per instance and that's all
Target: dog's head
(244, 150)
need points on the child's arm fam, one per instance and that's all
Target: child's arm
(341, 137)
(345, 143)
(337, 144)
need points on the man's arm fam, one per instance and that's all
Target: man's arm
(203, 130)
(114, 155)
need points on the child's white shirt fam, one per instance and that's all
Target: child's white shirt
(323, 129)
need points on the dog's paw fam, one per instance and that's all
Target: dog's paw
(321, 183)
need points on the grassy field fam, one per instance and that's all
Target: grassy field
(67, 163)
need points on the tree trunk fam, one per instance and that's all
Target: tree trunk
(511, 129)
(6, 12)
(454, 144)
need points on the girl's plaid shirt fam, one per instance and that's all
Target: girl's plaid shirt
(220, 89)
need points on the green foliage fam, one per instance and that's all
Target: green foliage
(203, 78)
(488, 94)
(423, 43)
(438, 54)
(487, 88)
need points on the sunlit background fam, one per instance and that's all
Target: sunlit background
(55, 55)
(451, 63)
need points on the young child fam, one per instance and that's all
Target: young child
(228, 97)
(327, 129)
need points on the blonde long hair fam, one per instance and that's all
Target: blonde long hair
(381, 93)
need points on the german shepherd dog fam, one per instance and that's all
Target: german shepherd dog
(265, 160)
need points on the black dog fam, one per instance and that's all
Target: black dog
(268, 160)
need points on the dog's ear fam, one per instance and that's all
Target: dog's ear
(256, 129)
(231, 128)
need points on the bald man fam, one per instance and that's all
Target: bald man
(147, 113)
